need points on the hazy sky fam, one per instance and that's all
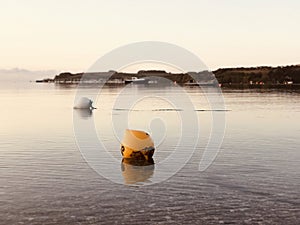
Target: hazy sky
(72, 34)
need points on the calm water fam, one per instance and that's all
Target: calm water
(45, 180)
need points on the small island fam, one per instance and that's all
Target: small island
(281, 76)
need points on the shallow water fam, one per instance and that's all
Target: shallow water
(45, 180)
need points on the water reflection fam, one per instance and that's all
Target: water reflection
(135, 171)
(84, 113)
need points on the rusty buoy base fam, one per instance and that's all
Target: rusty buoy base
(138, 162)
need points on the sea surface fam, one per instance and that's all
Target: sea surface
(45, 177)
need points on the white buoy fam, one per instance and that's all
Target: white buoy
(84, 103)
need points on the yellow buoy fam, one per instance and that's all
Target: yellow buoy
(137, 144)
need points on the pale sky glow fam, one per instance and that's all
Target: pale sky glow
(70, 35)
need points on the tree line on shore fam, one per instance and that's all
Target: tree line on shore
(252, 75)
(259, 75)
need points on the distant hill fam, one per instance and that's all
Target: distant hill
(23, 75)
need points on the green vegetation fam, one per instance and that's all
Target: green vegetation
(259, 75)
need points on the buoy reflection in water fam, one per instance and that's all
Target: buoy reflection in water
(135, 171)
(84, 113)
